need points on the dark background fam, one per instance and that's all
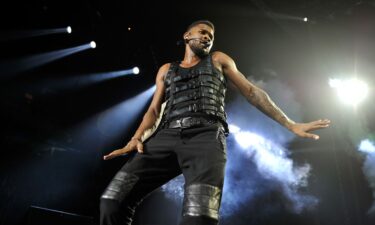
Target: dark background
(46, 162)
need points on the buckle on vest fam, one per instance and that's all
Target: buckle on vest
(194, 107)
(184, 122)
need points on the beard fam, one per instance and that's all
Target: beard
(198, 50)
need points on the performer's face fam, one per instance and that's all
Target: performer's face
(200, 39)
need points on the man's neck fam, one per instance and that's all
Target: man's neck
(190, 58)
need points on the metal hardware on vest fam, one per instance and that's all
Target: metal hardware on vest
(196, 95)
(194, 92)
(187, 122)
(197, 72)
(195, 85)
(195, 108)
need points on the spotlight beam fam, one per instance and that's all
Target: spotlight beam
(275, 16)
(16, 66)
(22, 34)
(82, 80)
(113, 122)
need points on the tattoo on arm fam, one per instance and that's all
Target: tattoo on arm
(263, 102)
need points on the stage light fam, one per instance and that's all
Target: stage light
(68, 83)
(22, 34)
(10, 68)
(305, 19)
(93, 44)
(129, 28)
(351, 91)
(136, 70)
(114, 121)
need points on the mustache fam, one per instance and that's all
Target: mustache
(206, 43)
(203, 42)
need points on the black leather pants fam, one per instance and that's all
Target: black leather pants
(199, 153)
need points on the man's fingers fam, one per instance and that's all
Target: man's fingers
(112, 155)
(116, 153)
(140, 147)
(109, 156)
(106, 157)
(322, 122)
(308, 135)
(322, 126)
(313, 136)
(319, 126)
(128, 148)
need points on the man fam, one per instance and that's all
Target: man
(191, 137)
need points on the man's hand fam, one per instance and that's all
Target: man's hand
(133, 145)
(302, 129)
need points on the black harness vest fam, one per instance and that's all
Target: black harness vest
(198, 91)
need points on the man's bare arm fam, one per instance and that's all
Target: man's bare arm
(153, 111)
(255, 95)
(148, 119)
(261, 100)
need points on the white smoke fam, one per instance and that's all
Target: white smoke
(271, 159)
(174, 189)
(258, 164)
(273, 165)
(368, 148)
(243, 183)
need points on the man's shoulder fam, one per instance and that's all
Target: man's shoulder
(218, 53)
(165, 66)
(220, 57)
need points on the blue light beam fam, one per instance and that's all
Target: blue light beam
(78, 81)
(20, 65)
(113, 122)
(22, 34)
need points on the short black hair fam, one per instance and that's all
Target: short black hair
(207, 22)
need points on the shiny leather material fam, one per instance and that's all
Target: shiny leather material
(202, 200)
(196, 91)
(120, 186)
(186, 122)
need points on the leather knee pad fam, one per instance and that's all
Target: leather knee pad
(120, 186)
(202, 200)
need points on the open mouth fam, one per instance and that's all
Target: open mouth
(205, 44)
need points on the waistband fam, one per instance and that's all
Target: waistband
(187, 122)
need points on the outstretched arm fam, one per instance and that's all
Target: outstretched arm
(261, 100)
(148, 119)
(153, 111)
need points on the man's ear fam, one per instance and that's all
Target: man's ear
(186, 35)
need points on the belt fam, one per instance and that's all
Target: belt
(186, 122)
